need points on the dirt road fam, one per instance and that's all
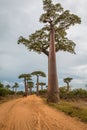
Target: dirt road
(32, 114)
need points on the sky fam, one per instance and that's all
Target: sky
(21, 18)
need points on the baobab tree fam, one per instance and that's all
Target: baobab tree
(52, 38)
(30, 86)
(67, 81)
(42, 84)
(38, 74)
(26, 77)
(15, 86)
(7, 86)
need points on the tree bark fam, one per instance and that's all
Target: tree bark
(68, 88)
(53, 90)
(26, 87)
(37, 85)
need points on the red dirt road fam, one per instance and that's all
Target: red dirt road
(32, 114)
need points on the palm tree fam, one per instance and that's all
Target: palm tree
(52, 38)
(67, 81)
(37, 74)
(25, 76)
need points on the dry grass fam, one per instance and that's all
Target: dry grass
(76, 109)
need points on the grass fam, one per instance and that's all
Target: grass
(73, 109)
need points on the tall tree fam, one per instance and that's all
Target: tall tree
(67, 81)
(7, 86)
(37, 74)
(42, 84)
(25, 76)
(15, 86)
(51, 39)
(30, 86)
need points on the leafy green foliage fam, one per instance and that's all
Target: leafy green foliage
(61, 20)
(67, 80)
(39, 73)
(30, 84)
(4, 92)
(74, 94)
(24, 76)
(7, 86)
(1, 85)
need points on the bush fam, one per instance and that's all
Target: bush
(75, 93)
(63, 92)
(4, 92)
(20, 92)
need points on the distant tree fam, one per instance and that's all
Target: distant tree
(30, 86)
(25, 76)
(7, 86)
(42, 84)
(37, 74)
(15, 86)
(52, 38)
(67, 81)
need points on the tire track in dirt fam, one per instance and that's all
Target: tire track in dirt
(31, 113)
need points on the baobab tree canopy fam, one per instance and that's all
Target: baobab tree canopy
(62, 20)
(39, 73)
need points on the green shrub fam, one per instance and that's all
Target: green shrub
(4, 92)
(74, 94)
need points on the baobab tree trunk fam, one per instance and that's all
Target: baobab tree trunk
(26, 87)
(68, 88)
(37, 85)
(53, 90)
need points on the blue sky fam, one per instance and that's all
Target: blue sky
(21, 17)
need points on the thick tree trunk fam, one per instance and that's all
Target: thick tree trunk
(68, 88)
(26, 87)
(37, 85)
(53, 90)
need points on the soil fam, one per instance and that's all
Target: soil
(31, 113)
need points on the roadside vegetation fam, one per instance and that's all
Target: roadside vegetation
(75, 108)
(73, 104)
(8, 92)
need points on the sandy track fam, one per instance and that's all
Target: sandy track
(32, 114)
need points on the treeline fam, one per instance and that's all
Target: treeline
(9, 90)
(72, 94)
